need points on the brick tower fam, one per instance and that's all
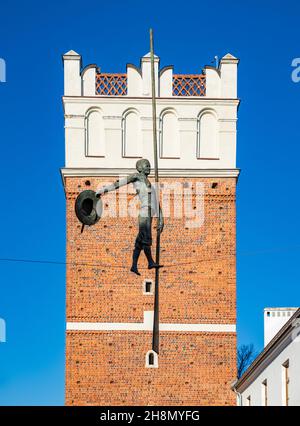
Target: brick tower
(108, 128)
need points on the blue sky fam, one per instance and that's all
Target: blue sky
(33, 36)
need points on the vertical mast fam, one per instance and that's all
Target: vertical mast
(155, 338)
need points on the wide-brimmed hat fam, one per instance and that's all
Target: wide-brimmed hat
(88, 207)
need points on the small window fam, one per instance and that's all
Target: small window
(268, 314)
(285, 383)
(249, 401)
(151, 359)
(148, 287)
(265, 393)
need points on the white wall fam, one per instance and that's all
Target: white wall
(187, 111)
(273, 374)
(274, 320)
(104, 145)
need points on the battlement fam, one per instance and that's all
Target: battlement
(90, 81)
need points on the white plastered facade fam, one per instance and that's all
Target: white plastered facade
(100, 144)
(275, 379)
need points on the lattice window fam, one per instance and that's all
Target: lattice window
(111, 84)
(189, 85)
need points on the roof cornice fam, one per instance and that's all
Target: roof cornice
(205, 173)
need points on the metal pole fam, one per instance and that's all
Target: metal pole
(155, 337)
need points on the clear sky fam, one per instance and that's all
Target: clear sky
(33, 35)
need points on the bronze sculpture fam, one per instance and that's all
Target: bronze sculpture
(88, 207)
(149, 208)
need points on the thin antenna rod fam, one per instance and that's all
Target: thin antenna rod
(155, 337)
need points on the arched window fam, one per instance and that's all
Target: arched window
(207, 135)
(131, 134)
(169, 135)
(151, 359)
(94, 134)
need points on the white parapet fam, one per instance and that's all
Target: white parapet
(134, 81)
(166, 82)
(146, 73)
(88, 77)
(228, 70)
(213, 82)
(72, 77)
(274, 320)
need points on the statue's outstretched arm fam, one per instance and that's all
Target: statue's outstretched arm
(117, 184)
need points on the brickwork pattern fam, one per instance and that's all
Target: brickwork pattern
(197, 286)
(105, 368)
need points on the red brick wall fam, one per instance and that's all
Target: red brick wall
(196, 286)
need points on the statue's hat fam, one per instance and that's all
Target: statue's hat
(88, 207)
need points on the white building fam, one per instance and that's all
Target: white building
(274, 376)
